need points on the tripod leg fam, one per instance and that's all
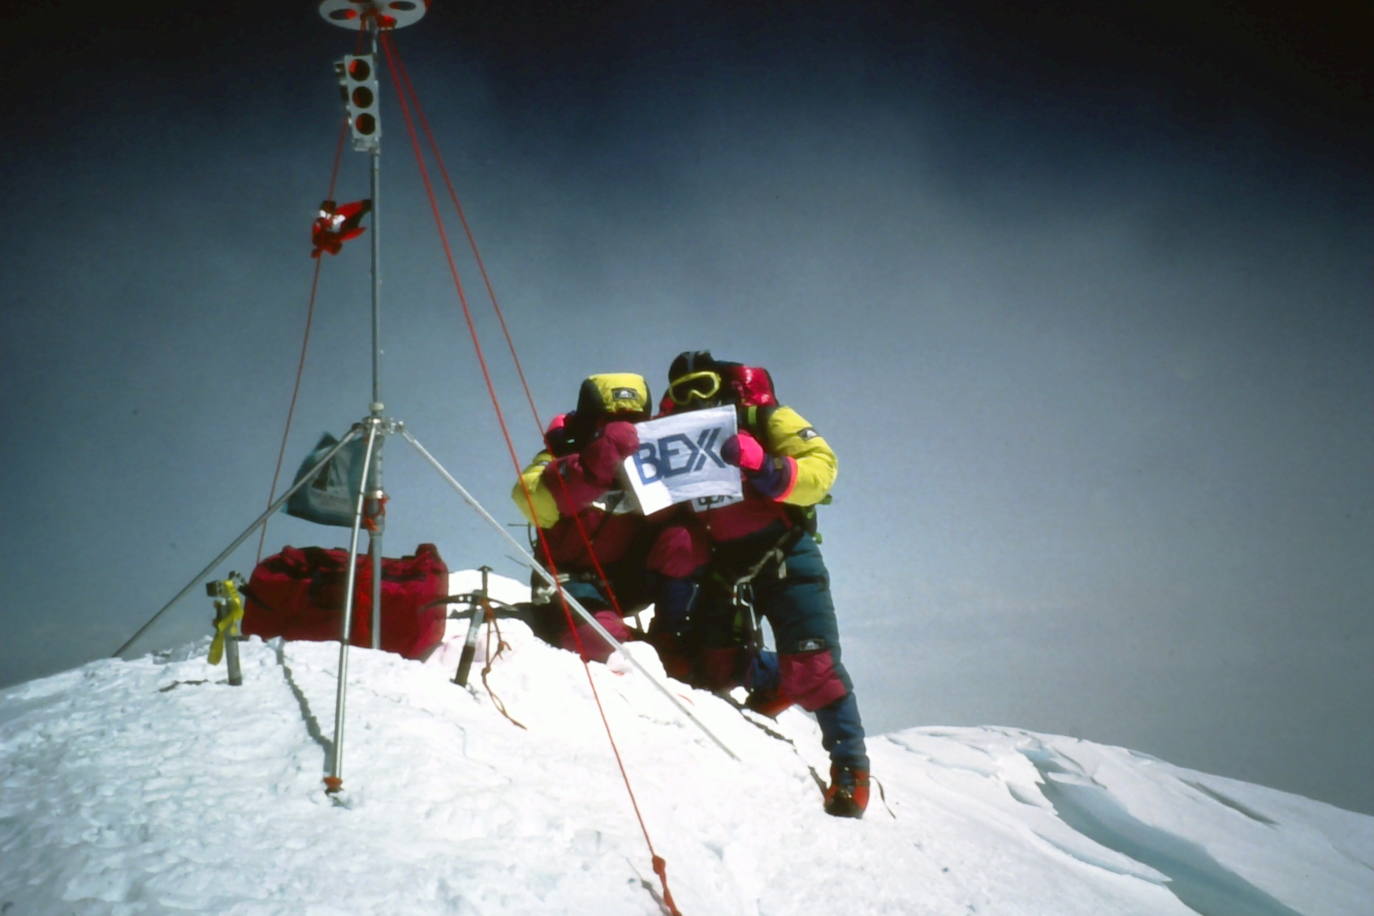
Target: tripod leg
(261, 520)
(334, 781)
(572, 602)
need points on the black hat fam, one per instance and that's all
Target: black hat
(691, 361)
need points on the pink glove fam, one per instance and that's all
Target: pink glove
(603, 454)
(773, 478)
(743, 451)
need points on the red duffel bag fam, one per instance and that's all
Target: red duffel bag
(299, 594)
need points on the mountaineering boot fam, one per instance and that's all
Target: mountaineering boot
(848, 792)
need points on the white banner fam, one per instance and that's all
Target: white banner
(679, 460)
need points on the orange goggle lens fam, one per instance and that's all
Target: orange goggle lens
(694, 386)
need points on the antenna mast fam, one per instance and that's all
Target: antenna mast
(357, 75)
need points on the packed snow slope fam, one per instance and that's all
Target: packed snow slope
(153, 787)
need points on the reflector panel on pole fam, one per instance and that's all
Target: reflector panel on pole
(388, 14)
(358, 84)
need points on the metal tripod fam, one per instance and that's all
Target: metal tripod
(370, 499)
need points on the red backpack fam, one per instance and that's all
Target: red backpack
(299, 594)
(752, 385)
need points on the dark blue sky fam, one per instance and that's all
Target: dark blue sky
(1080, 293)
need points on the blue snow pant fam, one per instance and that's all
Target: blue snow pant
(792, 592)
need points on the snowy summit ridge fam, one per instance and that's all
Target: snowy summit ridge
(153, 787)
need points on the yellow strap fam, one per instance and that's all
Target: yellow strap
(228, 625)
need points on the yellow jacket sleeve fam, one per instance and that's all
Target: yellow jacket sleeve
(789, 435)
(541, 500)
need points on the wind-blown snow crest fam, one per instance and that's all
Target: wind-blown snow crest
(151, 786)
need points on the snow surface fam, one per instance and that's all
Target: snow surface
(151, 786)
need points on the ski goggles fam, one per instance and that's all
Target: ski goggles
(694, 386)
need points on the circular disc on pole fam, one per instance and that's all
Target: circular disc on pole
(388, 14)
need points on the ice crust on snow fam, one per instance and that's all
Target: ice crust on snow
(151, 786)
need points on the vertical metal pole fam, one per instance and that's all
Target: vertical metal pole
(231, 651)
(374, 555)
(334, 781)
(376, 157)
(228, 604)
(376, 505)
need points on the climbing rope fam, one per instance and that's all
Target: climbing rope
(399, 71)
(406, 97)
(489, 618)
(305, 337)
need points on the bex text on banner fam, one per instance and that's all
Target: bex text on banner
(679, 459)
